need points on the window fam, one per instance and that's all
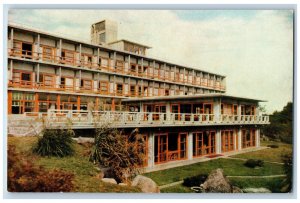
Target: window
(86, 84)
(132, 90)
(119, 89)
(26, 76)
(103, 87)
(102, 37)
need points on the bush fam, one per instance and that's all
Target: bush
(273, 146)
(124, 155)
(55, 142)
(287, 159)
(252, 163)
(24, 176)
(194, 180)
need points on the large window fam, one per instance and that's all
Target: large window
(204, 143)
(103, 87)
(248, 138)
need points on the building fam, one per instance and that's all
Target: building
(183, 112)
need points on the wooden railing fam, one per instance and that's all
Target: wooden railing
(108, 66)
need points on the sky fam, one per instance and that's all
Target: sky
(252, 48)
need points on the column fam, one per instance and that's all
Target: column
(12, 38)
(257, 137)
(113, 106)
(239, 139)
(11, 70)
(36, 102)
(78, 103)
(190, 146)
(234, 139)
(218, 142)
(217, 109)
(151, 150)
(58, 102)
(9, 102)
(38, 73)
(38, 47)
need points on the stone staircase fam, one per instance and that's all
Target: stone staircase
(21, 125)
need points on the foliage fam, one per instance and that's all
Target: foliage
(194, 180)
(124, 155)
(24, 176)
(287, 159)
(273, 146)
(252, 163)
(55, 142)
(281, 125)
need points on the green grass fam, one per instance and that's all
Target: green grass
(271, 154)
(85, 172)
(231, 167)
(273, 184)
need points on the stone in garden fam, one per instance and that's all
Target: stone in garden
(146, 184)
(257, 190)
(236, 189)
(109, 180)
(122, 184)
(216, 182)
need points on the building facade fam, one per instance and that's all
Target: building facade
(182, 112)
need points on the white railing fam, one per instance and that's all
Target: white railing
(146, 119)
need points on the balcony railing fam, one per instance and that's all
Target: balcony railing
(121, 119)
(108, 66)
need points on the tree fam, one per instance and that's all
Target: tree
(287, 159)
(281, 124)
(123, 155)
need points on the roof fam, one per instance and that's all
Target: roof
(26, 28)
(125, 40)
(184, 97)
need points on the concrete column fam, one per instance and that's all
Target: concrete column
(217, 109)
(239, 139)
(38, 73)
(190, 146)
(98, 56)
(257, 137)
(151, 150)
(38, 47)
(80, 54)
(115, 58)
(129, 67)
(60, 48)
(234, 140)
(218, 142)
(11, 70)
(12, 38)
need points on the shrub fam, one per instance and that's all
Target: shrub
(252, 163)
(55, 142)
(123, 155)
(24, 176)
(194, 180)
(273, 146)
(288, 169)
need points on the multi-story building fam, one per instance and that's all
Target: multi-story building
(183, 112)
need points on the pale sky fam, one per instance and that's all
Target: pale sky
(253, 48)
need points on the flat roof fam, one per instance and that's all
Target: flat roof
(34, 30)
(125, 40)
(198, 96)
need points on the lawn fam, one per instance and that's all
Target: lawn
(271, 154)
(85, 172)
(231, 167)
(273, 184)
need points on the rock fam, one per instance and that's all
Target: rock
(146, 184)
(109, 180)
(84, 140)
(256, 190)
(216, 182)
(122, 184)
(236, 189)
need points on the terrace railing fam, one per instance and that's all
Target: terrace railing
(120, 119)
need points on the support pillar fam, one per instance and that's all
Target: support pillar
(58, 102)
(78, 103)
(113, 106)
(218, 142)
(36, 102)
(239, 139)
(9, 102)
(257, 137)
(151, 150)
(190, 146)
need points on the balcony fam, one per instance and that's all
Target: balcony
(107, 65)
(90, 119)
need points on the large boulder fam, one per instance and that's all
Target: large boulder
(216, 182)
(109, 180)
(147, 185)
(257, 190)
